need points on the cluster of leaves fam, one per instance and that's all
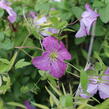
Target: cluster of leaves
(20, 81)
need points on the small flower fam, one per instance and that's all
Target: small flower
(6, 6)
(88, 18)
(97, 83)
(38, 22)
(28, 105)
(52, 59)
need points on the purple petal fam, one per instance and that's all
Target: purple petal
(57, 68)
(12, 15)
(88, 18)
(32, 14)
(28, 105)
(92, 89)
(103, 90)
(40, 20)
(64, 54)
(107, 71)
(105, 77)
(42, 62)
(49, 31)
(82, 31)
(51, 43)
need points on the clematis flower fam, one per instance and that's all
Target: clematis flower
(52, 59)
(38, 22)
(88, 18)
(28, 105)
(6, 6)
(98, 83)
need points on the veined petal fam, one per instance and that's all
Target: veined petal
(82, 31)
(57, 68)
(51, 43)
(105, 77)
(103, 90)
(64, 54)
(12, 15)
(92, 89)
(42, 62)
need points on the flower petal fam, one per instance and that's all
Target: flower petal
(51, 43)
(28, 105)
(82, 31)
(92, 89)
(57, 68)
(64, 54)
(103, 90)
(42, 62)
(12, 15)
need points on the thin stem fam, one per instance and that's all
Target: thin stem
(73, 66)
(73, 74)
(20, 47)
(91, 43)
(25, 53)
(89, 55)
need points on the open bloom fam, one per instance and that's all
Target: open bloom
(38, 22)
(52, 60)
(98, 83)
(6, 6)
(88, 18)
(28, 105)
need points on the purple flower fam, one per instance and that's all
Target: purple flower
(98, 83)
(52, 59)
(38, 22)
(88, 18)
(48, 31)
(28, 105)
(32, 14)
(6, 6)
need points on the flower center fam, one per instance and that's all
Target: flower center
(53, 55)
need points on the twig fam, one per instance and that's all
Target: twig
(20, 47)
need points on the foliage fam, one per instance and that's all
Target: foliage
(21, 41)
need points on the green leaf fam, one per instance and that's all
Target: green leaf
(53, 96)
(1, 36)
(79, 40)
(21, 63)
(1, 12)
(16, 104)
(77, 11)
(66, 101)
(40, 106)
(84, 80)
(7, 44)
(104, 14)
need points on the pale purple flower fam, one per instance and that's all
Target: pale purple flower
(6, 6)
(88, 18)
(52, 59)
(28, 105)
(98, 83)
(32, 14)
(49, 31)
(38, 22)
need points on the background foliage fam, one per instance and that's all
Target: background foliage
(20, 81)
